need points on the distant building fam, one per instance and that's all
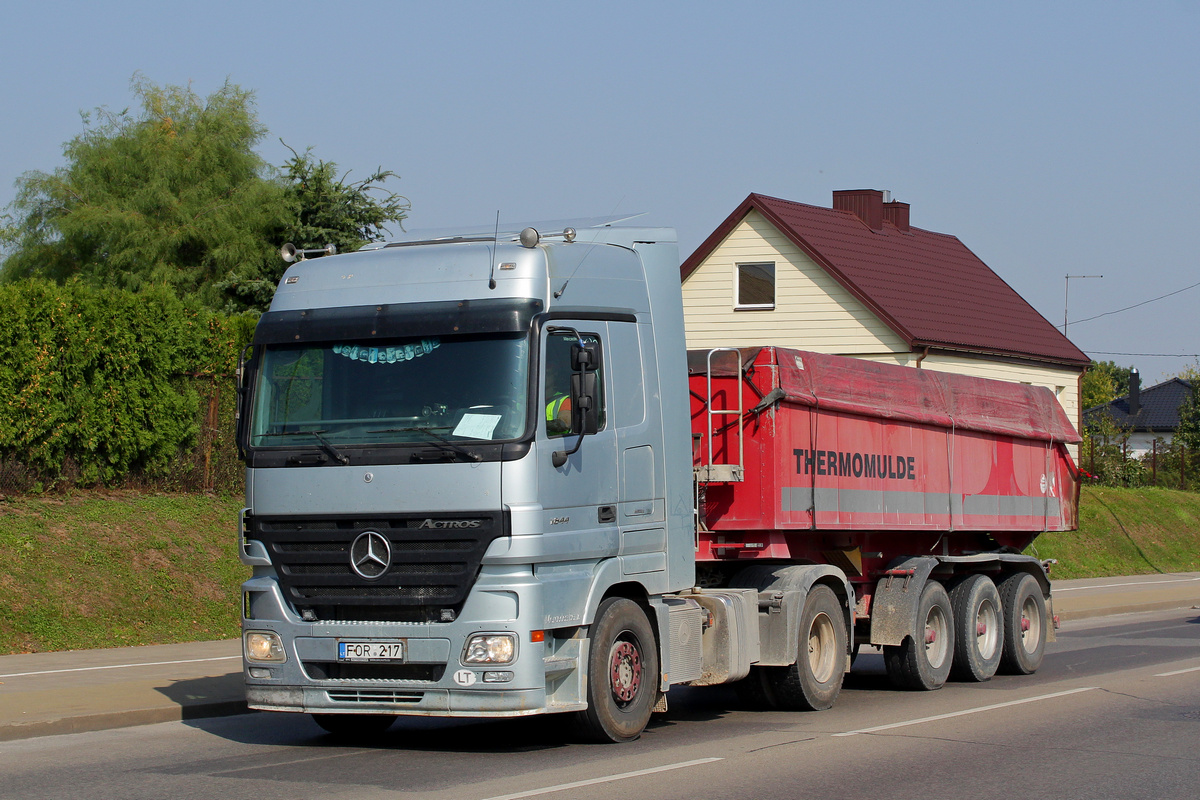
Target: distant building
(858, 280)
(1148, 414)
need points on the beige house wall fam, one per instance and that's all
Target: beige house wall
(814, 312)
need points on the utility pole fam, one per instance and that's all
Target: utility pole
(1066, 295)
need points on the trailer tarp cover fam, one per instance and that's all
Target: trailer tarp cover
(889, 391)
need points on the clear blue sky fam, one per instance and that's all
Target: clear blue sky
(1051, 138)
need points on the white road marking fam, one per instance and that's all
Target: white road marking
(1130, 583)
(1177, 672)
(966, 712)
(564, 786)
(120, 666)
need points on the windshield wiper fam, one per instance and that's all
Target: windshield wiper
(440, 441)
(338, 455)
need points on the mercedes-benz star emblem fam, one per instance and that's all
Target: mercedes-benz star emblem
(370, 555)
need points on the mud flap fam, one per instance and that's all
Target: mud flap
(897, 595)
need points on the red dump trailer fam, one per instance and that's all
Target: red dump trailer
(909, 481)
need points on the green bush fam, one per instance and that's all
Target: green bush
(103, 381)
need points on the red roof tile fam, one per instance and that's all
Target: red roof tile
(928, 287)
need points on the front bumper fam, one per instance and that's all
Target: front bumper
(432, 679)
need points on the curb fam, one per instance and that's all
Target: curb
(85, 723)
(1129, 608)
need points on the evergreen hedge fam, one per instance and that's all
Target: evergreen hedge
(97, 384)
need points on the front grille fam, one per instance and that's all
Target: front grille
(348, 671)
(431, 594)
(373, 696)
(434, 561)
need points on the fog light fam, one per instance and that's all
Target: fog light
(260, 672)
(490, 648)
(264, 646)
(497, 677)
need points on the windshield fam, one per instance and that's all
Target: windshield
(397, 391)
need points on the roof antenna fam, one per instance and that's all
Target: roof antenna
(495, 248)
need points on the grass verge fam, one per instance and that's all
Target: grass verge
(107, 569)
(1127, 532)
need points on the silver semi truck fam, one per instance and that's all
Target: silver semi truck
(474, 489)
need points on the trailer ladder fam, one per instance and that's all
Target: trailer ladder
(710, 471)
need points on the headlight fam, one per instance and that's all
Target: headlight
(490, 648)
(264, 647)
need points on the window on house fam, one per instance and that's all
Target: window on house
(754, 285)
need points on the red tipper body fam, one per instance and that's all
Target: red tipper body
(854, 462)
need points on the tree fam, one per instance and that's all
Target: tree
(175, 195)
(1188, 432)
(1104, 381)
(1190, 373)
(328, 210)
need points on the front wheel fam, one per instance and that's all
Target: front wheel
(622, 680)
(923, 659)
(814, 681)
(1024, 624)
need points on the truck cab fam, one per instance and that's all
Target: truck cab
(458, 463)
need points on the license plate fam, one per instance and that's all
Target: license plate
(370, 651)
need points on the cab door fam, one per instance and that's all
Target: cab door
(579, 498)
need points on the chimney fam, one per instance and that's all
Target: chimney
(866, 204)
(897, 214)
(1135, 392)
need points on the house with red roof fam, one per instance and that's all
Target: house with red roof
(859, 280)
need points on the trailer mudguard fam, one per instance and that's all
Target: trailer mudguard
(897, 594)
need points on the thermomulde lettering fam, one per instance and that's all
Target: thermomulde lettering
(858, 465)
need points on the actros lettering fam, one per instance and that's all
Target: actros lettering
(859, 465)
(450, 523)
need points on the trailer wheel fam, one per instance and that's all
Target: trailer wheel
(814, 681)
(354, 725)
(978, 628)
(1024, 624)
(923, 660)
(622, 674)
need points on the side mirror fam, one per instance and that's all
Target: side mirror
(585, 418)
(585, 357)
(585, 406)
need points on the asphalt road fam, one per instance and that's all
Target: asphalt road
(1113, 713)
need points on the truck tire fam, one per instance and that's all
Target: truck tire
(354, 725)
(814, 681)
(978, 628)
(1025, 621)
(923, 659)
(622, 681)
